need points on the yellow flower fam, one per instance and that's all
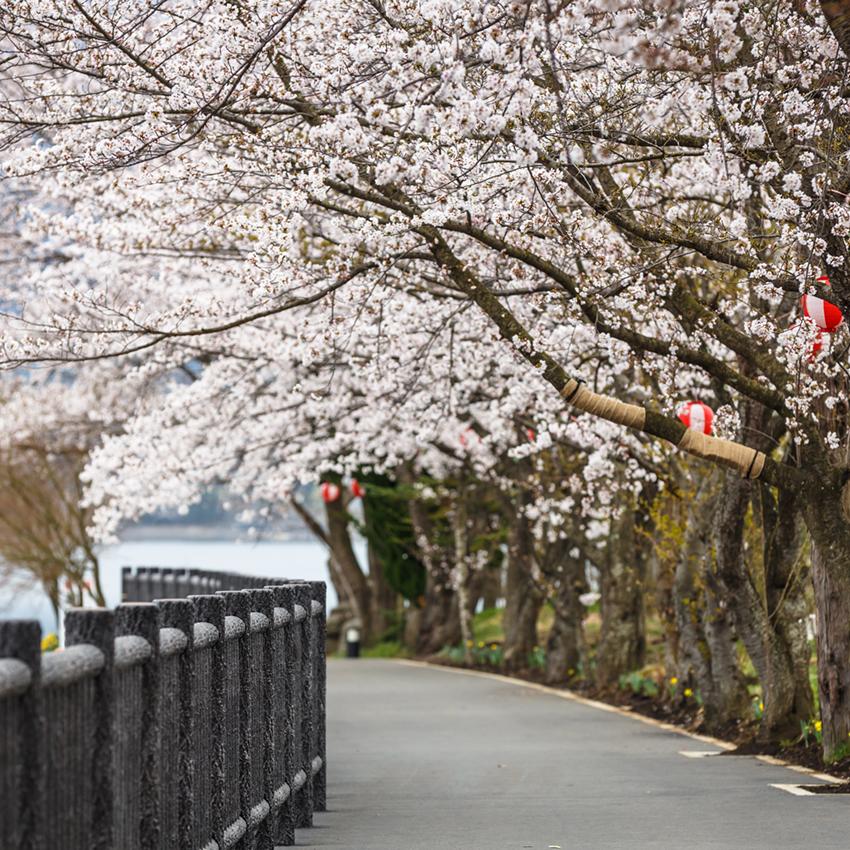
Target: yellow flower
(818, 725)
(688, 692)
(49, 642)
(494, 646)
(481, 644)
(674, 680)
(761, 706)
(469, 643)
(571, 672)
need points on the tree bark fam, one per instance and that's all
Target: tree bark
(439, 622)
(729, 701)
(622, 642)
(491, 590)
(351, 583)
(384, 600)
(565, 643)
(357, 582)
(342, 590)
(785, 586)
(523, 598)
(706, 639)
(830, 533)
(785, 704)
(461, 539)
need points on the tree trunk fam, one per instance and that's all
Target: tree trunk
(351, 583)
(384, 600)
(565, 642)
(343, 592)
(830, 533)
(706, 639)
(440, 617)
(729, 702)
(784, 705)
(523, 598)
(485, 586)
(785, 593)
(832, 594)
(461, 539)
(355, 580)
(491, 591)
(622, 642)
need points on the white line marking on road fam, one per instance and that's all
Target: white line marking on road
(826, 777)
(699, 754)
(796, 790)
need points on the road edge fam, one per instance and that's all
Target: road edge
(572, 696)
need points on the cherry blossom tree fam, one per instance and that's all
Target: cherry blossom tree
(319, 233)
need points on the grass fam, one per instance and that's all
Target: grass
(386, 649)
(487, 625)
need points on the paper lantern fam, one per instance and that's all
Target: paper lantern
(356, 489)
(329, 491)
(467, 435)
(825, 315)
(697, 416)
(530, 434)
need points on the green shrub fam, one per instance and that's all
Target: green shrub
(639, 684)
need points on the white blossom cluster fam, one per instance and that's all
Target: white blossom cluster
(257, 242)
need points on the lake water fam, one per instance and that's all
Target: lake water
(275, 559)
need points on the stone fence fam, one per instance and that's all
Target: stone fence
(191, 723)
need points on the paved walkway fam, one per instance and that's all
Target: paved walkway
(429, 759)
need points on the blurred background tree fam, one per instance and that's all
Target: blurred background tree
(44, 522)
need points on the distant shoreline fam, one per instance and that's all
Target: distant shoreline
(168, 533)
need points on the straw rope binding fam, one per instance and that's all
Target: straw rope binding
(747, 461)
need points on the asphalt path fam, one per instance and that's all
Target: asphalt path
(423, 758)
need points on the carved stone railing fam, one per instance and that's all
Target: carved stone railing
(191, 723)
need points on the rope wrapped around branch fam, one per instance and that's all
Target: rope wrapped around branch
(748, 462)
(605, 407)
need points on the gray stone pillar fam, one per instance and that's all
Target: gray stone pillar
(287, 678)
(238, 604)
(177, 618)
(96, 628)
(23, 811)
(262, 691)
(209, 710)
(320, 596)
(304, 698)
(141, 620)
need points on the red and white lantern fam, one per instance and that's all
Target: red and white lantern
(697, 416)
(357, 489)
(532, 436)
(329, 491)
(825, 315)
